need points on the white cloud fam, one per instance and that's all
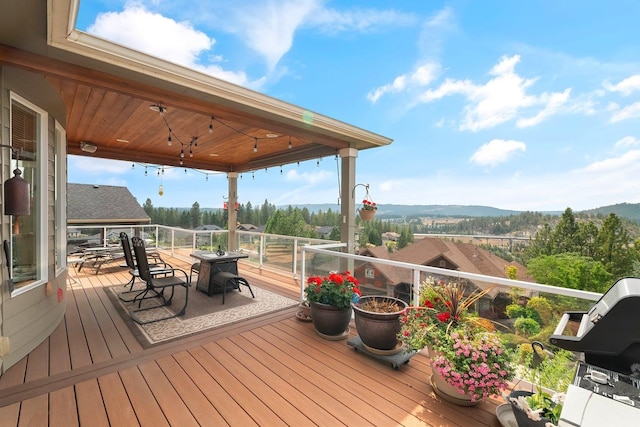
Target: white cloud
(631, 111)
(154, 34)
(627, 141)
(499, 100)
(554, 104)
(616, 164)
(497, 151)
(358, 20)
(626, 86)
(421, 76)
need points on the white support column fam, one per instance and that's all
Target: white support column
(232, 177)
(347, 200)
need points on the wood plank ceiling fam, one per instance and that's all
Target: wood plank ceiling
(120, 117)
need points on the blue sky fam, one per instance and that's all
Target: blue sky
(518, 105)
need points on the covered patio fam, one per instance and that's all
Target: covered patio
(271, 370)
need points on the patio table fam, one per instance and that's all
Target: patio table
(210, 279)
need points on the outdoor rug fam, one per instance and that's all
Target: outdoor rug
(203, 312)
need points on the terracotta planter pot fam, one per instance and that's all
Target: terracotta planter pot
(367, 215)
(330, 320)
(378, 330)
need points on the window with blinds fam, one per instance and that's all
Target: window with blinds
(25, 136)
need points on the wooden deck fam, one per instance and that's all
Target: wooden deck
(269, 371)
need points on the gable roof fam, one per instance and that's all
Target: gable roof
(428, 250)
(103, 204)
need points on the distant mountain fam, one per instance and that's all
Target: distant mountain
(390, 211)
(629, 211)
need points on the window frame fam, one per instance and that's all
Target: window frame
(60, 197)
(41, 206)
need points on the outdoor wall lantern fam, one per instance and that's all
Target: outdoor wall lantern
(16, 194)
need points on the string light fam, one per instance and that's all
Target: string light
(255, 145)
(290, 146)
(211, 125)
(169, 138)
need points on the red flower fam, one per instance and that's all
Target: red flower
(428, 303)
(444, 317)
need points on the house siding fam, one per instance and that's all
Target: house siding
(29, 318)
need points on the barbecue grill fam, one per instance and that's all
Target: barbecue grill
(606, 385)
(609, 333)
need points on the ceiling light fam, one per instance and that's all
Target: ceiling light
(272, 135)
(88, 147)
(124, 141)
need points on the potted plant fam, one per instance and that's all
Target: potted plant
(377, 320)
(469, 362)
(368, 210)
(330, 299)
(550, 375)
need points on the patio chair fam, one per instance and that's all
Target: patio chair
(157, 286)
(156, 267)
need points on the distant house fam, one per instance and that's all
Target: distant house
(103, 204)
(247, 227)
(433, 252)
(210, 227)
(324, 231)
(390, 236)
(99, 205)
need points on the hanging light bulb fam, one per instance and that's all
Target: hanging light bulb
(169, 138)
(133, 165)
(145, 171)
(255, 146)
(160, 190)
(211, 125)
(181, 153)
(290, 146)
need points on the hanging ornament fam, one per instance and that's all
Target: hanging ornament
(160, 190)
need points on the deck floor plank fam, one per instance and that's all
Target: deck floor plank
(231, 411)
(116, 401)
(327, 394)
(62, 408)
(142, 399)
(34, 411)
(173, 406)
(201, 408)
(252, 373)
(78, 348)
(91, 409)
(257, 410)
(59, 350)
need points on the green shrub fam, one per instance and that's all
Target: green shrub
(526, 326)
(516, 310)
(543, 308)
(532, 314)
(513, 341)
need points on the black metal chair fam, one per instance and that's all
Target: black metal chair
(157, 286)
(157, 268)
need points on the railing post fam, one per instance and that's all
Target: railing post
(261, 251)
(303, 274)
(295, 257)
(416, 287)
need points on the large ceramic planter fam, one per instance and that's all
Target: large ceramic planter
(378, 330)
(446, 391)
(330, 321)
(367, 214)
